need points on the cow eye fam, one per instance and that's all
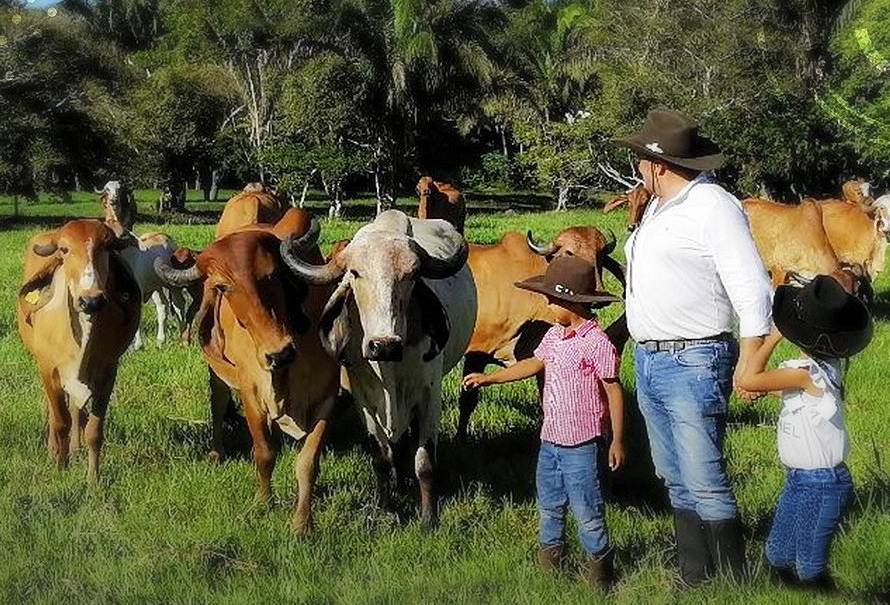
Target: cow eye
(354, 273)
(222, 288)
(63, 250)
(569, 253)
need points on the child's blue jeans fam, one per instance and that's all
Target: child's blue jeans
(809, 513)
(570, 476)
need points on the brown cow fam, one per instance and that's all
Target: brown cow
(856, 235)
(790, 238)
(636, 199)
(77, 310)
(441, 200)
(251, 206)
(260, 340)
(511, 322)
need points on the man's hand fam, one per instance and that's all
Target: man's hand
(616, 455)
(747, 348)
(473, 381)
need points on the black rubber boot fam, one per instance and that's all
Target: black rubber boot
(693, 556)
(726, 545)
(599, 572)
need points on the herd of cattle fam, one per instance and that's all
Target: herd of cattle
(385, 316)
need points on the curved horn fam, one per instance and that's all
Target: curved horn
(177, 277)
(437, 268)
(45, 249)
(537, 248)
(614, 267)
(318, 275)
(609, 246)
(99, 191)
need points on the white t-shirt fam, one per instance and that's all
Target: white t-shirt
(811, 431)
(693, 267)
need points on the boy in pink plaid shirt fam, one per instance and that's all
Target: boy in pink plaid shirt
(583, 407)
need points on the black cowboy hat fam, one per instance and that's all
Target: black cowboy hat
(672, 137)
(822, 318)
(571, 279)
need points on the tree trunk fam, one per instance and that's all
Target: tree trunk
(503, 130)
(336, 208)
(76, 182)
(213, 194)
(15, 203)
(562, 198)
(306, 187)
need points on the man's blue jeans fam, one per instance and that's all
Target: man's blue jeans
(809, 512)
(683, 397)
(570, 476)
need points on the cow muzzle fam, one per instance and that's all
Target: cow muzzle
(384, 349)
(281, 359)
(91, 304)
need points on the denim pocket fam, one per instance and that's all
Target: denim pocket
(697, 356)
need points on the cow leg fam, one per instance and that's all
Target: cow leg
(384, 468)
(94, 433)
(161, 309)
(425, 458)
(307, 472)
(78, 425)
(265, 446)
(220, 399)
(137, 340)
(469, 399)
(58, 419)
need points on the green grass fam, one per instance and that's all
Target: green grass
(165, 526)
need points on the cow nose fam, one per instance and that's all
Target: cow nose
(385, 349)
(282, 358)
(91, 304)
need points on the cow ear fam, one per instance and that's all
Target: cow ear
(334, 323)
(210, 333)
(36, 290)
(433, 318)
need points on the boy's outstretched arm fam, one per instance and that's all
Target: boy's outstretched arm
(615, 396)
(755, 377)
(522, 369)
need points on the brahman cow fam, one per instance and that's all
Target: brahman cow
(441, 200)
(253, 205)
(857, 236)
(400, 319)
(118, 206)
(255, 334)
(77, 310)
(636, 199)
(511, 322)
(140, 258)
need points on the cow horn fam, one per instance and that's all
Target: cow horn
(177, 277)
(438, 268)
(45, 249)
(537, 248)
(99, 191)
(609, 246)
(314, 274)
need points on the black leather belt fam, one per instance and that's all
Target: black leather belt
(654, 346)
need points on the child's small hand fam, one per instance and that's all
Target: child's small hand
(616, 455)
(474, 381)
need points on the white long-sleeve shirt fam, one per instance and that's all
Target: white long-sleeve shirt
(691, 263)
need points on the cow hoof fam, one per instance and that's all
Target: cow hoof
(301, 526)
(428, 523)
(215, 457)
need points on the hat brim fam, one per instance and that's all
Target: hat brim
(840, 344)
(709, 157)
(537, 284)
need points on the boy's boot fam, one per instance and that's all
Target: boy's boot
(693, 556)
(599, 571)
(550, 557)
(727, 547)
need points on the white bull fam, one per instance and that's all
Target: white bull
(400, 319)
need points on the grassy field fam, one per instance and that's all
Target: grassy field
(165, 526)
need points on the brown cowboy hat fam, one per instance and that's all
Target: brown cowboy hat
(672, 137)
(571, 279)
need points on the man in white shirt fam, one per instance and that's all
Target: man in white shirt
(692, 269)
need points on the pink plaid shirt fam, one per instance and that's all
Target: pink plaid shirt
(574, 401)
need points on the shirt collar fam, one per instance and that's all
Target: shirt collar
(581, 331)
(681, 195)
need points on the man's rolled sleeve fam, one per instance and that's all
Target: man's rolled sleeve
(740, 268)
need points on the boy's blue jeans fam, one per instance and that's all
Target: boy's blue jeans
(683, 397)
(809, 512)
(570, 476)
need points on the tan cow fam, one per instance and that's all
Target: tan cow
(441, 200)
(636, 200)
(253, 205)
(857, 236)
(259, 334)
(77, 310)
(857, 191)
(511, 322)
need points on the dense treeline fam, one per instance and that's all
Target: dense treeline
(352, 95)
